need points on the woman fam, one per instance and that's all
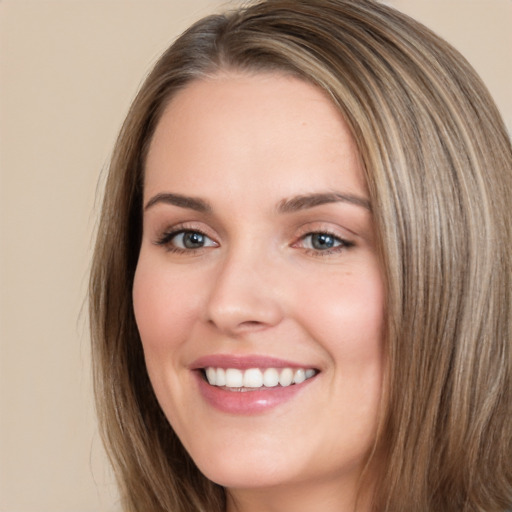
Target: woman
(301, 290)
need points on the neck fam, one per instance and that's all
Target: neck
(325, 496)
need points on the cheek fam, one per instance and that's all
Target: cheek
(163, 312)
(347, 312)
(165, 315)
(347, 317)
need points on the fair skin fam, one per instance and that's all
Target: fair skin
(258, 251)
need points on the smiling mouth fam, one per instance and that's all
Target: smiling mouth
(235, 379)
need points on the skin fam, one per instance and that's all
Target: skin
(245, 144)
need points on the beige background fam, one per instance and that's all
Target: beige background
(68, 70)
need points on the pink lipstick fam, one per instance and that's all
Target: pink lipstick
(249, 384)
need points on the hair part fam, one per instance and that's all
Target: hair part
(438, 165)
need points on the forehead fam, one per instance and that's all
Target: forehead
(252, 128)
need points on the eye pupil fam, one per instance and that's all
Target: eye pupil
(193, 240)
(322, 241)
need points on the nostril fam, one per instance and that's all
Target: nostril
(251, 323)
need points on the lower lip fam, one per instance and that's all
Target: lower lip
(248, 402)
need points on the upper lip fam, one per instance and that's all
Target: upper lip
(244, 362)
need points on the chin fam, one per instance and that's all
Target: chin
(243, 475)
(275, 466)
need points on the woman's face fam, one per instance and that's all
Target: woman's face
(258, 271)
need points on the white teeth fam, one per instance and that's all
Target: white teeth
(257, 378)
(220, 379)
(253, 378)
(211, 375)
(286, 377)
(234, 378)
(270, 377)
(299, 376)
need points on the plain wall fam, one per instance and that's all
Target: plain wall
(68, 71)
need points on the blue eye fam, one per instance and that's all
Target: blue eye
(189, 240)
(324, 242)
(186, 240)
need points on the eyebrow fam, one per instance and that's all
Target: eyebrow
(192, 203)
(306, 201)
(293, 204)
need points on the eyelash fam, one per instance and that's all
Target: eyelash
(343, 244)
(167, 238)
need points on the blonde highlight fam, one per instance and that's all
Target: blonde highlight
(439, 170)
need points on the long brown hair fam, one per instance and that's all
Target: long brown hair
(439, 170)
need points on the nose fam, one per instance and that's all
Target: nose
(245, 294)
